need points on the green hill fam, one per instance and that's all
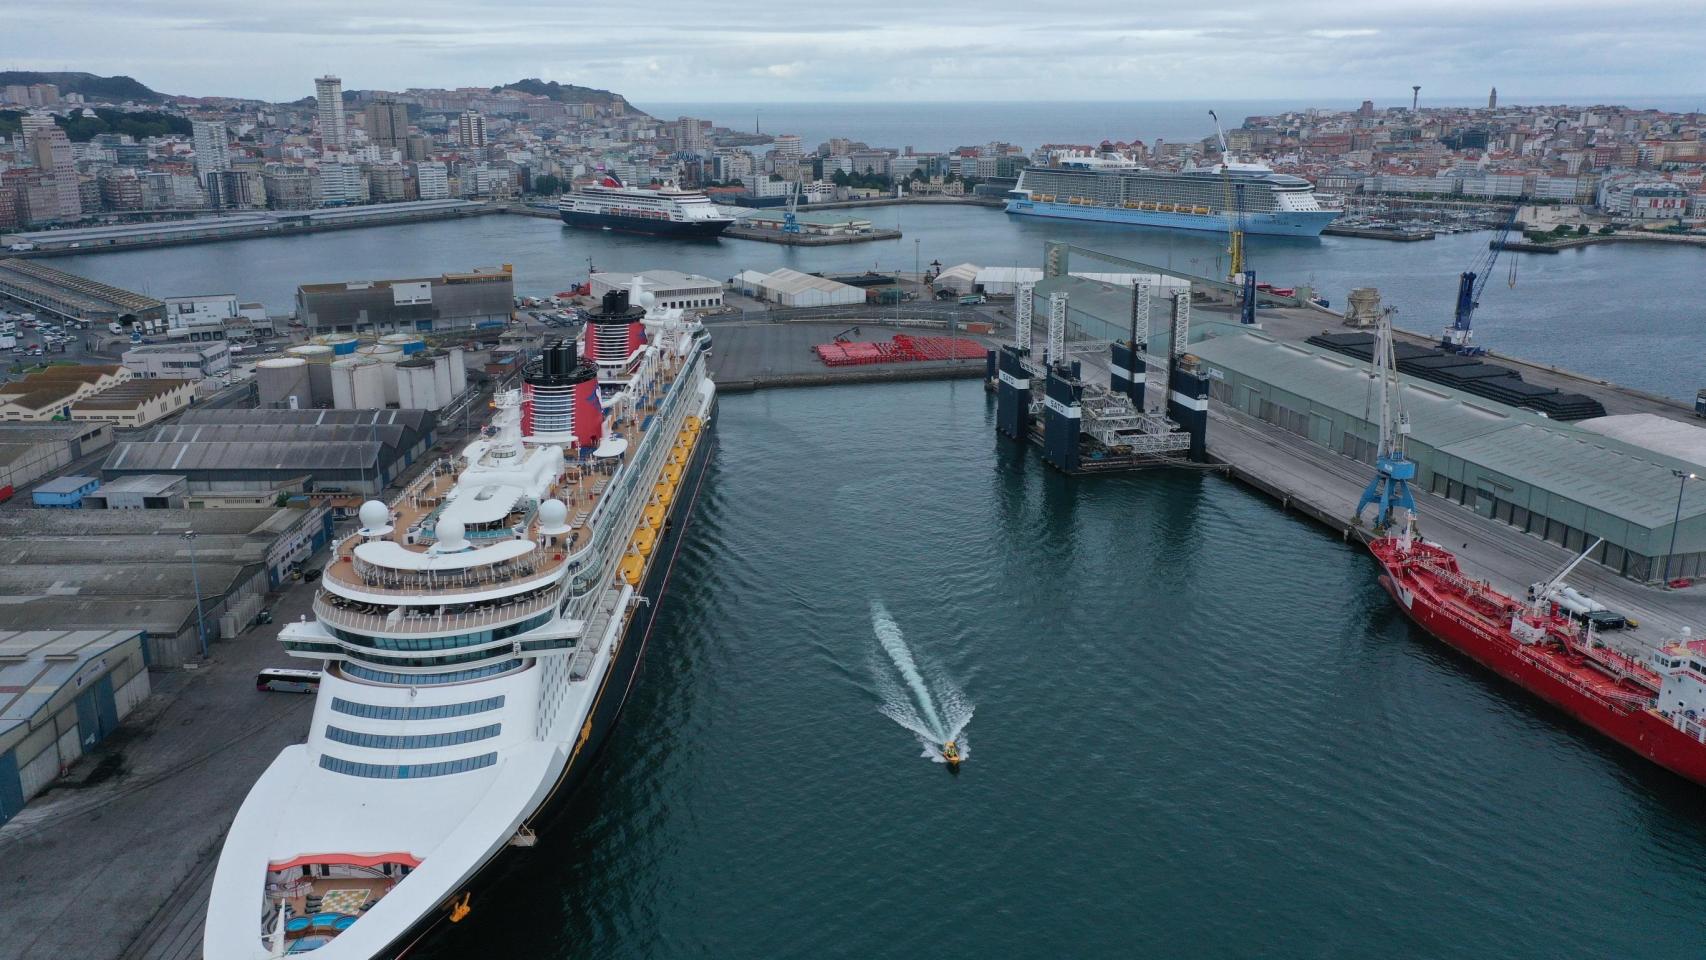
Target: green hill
(95, 88)
(563, 92)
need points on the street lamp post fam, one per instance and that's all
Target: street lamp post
(195, 578)
(917, 266)
(1682, 478)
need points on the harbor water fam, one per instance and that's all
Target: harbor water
(1620, 312)
(1198, 726)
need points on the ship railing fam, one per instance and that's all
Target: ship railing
(433, 620)
(367, 576)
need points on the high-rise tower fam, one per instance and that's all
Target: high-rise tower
(1493, 99)
(329, 92)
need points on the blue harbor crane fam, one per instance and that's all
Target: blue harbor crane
(1469, 287)
(1389, 490)
(791, 219)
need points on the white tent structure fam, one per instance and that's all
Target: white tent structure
(962, 279)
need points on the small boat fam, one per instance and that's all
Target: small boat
(951, 754)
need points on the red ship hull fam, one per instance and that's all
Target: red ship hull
(1620, 710)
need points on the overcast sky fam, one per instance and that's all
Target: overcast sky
(690, 50)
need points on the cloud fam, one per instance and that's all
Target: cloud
(990, 50)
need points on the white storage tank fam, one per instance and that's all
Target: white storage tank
(358, 383)
(417, 388)
(319, 358)
(441, 376)
(282, 383)
(458, 371)
(388, 355)
(406, 342)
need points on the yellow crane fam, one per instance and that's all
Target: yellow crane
(1234, 208)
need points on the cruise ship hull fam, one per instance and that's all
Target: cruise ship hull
(618, 684)
(682, 229)
(1293, 224)
(1643, 730)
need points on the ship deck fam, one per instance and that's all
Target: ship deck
(580, 486)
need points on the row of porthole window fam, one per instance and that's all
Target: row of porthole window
(423, 741)
(443, 711)
(405, 771)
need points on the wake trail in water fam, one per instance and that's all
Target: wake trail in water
(934, 709)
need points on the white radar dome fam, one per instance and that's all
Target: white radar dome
(553, 515)
(450, 534)
(374, 515)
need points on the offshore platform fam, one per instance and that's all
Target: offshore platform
(1084, 427)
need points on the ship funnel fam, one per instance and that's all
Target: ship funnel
(616, 301)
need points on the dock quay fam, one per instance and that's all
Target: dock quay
(1378, 233)
(71, 297)
(758, 355)
(803, 239)
(260, 223)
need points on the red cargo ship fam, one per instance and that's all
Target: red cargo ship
(1652, 706)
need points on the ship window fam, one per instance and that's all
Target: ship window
(443, 711)
(425, 679)
(405, 771)
(424, 741)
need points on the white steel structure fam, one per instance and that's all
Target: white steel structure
(477, 638)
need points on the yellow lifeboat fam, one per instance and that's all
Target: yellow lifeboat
(632, 567)
(664, 494)
(672, 473)
(654, 517)
(645, 539)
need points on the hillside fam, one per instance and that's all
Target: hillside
(89, 85)
(86, 124)
(563, 92)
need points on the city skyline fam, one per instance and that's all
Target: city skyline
(1083, 51)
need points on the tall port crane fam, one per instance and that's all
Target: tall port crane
(791, 219)
(1388, 491)
(1469, 286)
(1234, 207)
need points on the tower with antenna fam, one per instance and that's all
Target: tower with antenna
(1415, 97)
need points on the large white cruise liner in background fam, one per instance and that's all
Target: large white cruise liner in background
(479, 636)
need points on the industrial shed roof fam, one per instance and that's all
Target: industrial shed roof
(36, 664)
(1598, 472)
(389, 434)
(793, 281)
(242, 455)
(1673, 438)
(1438, 415)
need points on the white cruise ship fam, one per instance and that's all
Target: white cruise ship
(667, 211)
(478, 638)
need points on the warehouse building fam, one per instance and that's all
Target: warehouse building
(258, 454)
(1621, 480)
(818, 224)
(61, 693)
(149, 491)
(89, 570)
(70, 297)
(179, 361)
(791, 288)
(136, 403)
(49, 393)
(453, 301)
(670, 288)
(29, 452)
(64, 493)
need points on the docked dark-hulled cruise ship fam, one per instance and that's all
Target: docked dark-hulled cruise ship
(666, 211)
(477, 638)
